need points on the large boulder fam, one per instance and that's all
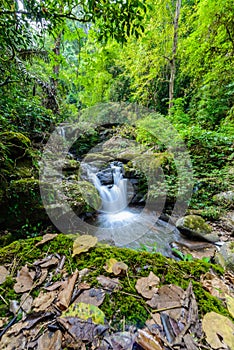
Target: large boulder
(225, 256)
(195, 227)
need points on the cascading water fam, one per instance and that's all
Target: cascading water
(121, 224)
(114, 198)
(114, 211)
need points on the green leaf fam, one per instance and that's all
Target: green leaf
(85, 311)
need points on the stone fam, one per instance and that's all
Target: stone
(225, 256)
(194, 227)
(224, 197)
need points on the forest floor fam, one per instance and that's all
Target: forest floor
(63, 292)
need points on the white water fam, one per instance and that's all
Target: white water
(114, 198)
(125, 226)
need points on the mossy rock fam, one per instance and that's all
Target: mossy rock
(195, 226)
(123, 303)
(16, 143)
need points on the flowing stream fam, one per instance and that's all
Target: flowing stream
(131, 227)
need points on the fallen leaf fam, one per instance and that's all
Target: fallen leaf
(92, 296)
(3, 274)
(83, 244)
(80, 330)
(218, 327)
(49, 261)
(84, 285)
(36, 317)
(52, 341)
(12, 339)
(64, 296)
(109, 265)
(116, 267)
(148, 286)
(85, 311)
(42, 277)
(54, 286)
(148, 341)
(167, 297)
(109, 283)
(230, 304)
(26, 302)
(46, 238)
(214, 285)
(44, 300)
(119, 267)
(120, 340)
(24, 280)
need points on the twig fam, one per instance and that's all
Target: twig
(8, 326)
(168, 308)
(4, 300)
(130, 294)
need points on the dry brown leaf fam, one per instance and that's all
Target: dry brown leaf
(167, 297)
(218, 327)
(214, 285)
(44, 300)
(83, 244)
(24, 280)
(46, 238)
(84, 285)
(42, 277)
(230, 304)
(48, 262)
(81, 330)
(3, 274)
(148, 341)
(148, 286)
(52, 341)
(109, 283)
(116, 267)
(54, 286)
(119, 267)
(12, 339)
(26, 302)
(92, 296)
(65, 294)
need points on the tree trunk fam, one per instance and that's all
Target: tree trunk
(174, 51)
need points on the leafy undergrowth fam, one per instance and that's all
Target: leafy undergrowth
(85, 295)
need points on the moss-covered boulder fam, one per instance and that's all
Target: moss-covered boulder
(121, 304)
(194, 227)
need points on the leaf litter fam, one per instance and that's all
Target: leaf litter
(65, 314)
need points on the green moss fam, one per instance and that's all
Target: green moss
(16, 143)
(123, 303)
(196, 223)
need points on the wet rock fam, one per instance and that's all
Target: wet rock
(225, 256)
(106, 176)
(227, 222)
(195, 227)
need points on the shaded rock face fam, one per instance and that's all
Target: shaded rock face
(225, 256)
(195, 227)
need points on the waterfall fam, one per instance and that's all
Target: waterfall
(114, 197)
